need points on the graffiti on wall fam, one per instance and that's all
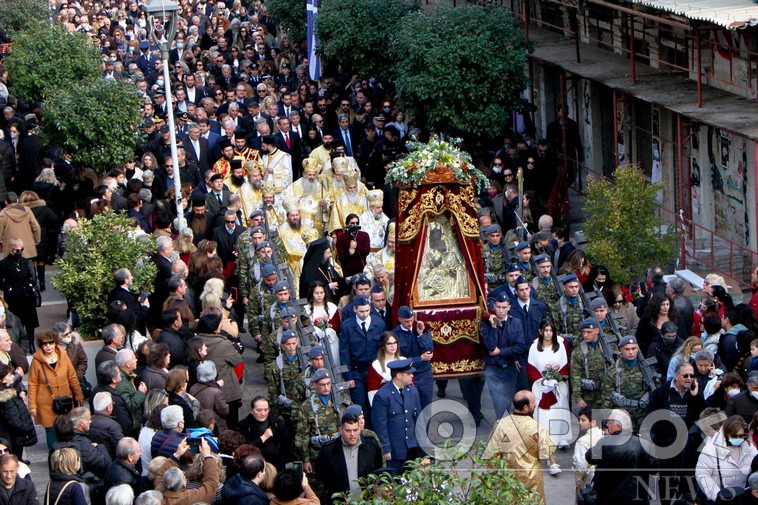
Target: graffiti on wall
(727, 154)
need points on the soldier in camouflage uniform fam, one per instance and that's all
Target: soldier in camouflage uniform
(248, 266)
(572, 310)
(283, 300)
(495, 257)
(316, 357)
(261, 297)
(545, 288)
(588, 367)
(318, 417)
(286, 390)
(624, 385)
(524, 261)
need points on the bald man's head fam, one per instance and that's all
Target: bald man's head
(524, 402)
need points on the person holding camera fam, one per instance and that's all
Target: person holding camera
(171, 481)
(289, 485)
(353, 247)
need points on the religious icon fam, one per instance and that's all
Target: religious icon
(442, 275)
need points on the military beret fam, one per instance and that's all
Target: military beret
(405, 312)
(263, 244)
(541, 258)
(286, 335)
(256, 213)
(570, 278)
(522, 245)
(355, 410)
(493, 228)
(216, 177)
(401, 365)
(629, 339)
(321, 373)
(521, 280)
(315, 352)
(287, 312)
(589, 323)
(502, 297)
(512, 268)
(268, 270)
(598, 303)
(281, 286)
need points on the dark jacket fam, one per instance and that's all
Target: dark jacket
(95, 458)
(211, 397)
(73, 494)
(742, 404)
(119, 472)
(16, 423)
(189, 415)
(620, 487)
(241, 491)
(176, 346)
(332, 470)
(276, 450)
(105, 430)
(662, 351)
(165, 443)
(663, 434)
(120, 413)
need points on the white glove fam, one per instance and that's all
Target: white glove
(548, 386)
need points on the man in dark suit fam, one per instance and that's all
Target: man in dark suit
(163, 262)
(197, 148)
(226, 236)
(194, 93)
(334, 457)
(124, 281)
(347, 133)
(395, 411)
(213, 139)
(359, 343)
(530, 311)
(290, 143)
(565, 247)
(219, 195)
(379, 306)
(415, 342)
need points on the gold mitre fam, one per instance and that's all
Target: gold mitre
(340, 164)
(310, 165)
(310, 235)
(253, 166)
(291, 204)
(268, 188)
(391, 229)
(351, 177)
(375, 197)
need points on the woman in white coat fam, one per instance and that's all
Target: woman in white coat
(725, 460)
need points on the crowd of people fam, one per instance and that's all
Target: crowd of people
(285, 183)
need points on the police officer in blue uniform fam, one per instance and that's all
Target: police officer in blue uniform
(415, 342)
(395, 410)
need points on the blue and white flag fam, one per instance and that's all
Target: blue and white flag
(314, 62)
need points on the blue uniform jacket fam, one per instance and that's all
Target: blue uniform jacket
(509, 337)
(412, 346)
(529, 322)
(357, 351)
(394, 418)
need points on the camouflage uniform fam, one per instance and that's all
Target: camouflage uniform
(630, 384)
(312, 410)
(570, 317)
(526, 270)
(595, 371)
(262, 297)
(494, 263)
(549, 296)
(248, 267)
(294, 388)
(276, 321)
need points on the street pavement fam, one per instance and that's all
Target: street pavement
(558, 489)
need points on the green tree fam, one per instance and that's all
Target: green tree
(622, 229)
(93, 251)
(355, 33)
(47, 57)
(97, 122)
(17, 15)
(290, 16)
(459, 70)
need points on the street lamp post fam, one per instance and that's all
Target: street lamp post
(162, 18)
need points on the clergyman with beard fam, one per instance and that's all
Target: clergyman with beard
(523, 443)
(317, 266)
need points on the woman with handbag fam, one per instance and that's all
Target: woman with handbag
(53, 386)
(18, 280)
(66, 487)
(16, 423)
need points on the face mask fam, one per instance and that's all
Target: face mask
(16, 255)
(113, 58)
(754, 394)
(492, 194)
(732, 392)
(159, 82)
(497, 170)
(736, 441)
(180, 45)
(66, 340)
(14, 135)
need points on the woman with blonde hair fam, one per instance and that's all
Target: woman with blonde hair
(213, 296)
(685, 354)
(65, 485)
(184, 245)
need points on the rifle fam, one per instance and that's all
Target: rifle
(648, 373)
(604, 341)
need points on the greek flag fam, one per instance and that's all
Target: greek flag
(314, 63)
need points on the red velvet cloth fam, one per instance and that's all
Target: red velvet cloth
(454, 324)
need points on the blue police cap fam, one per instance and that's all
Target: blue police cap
(590, 323)
(542, 258)
(405, 312)
(360, 301)
(401, 365)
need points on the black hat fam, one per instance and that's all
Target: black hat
(268, 139)
(240, 132)
(216, 177)
(235, 163)
(224, 144)
(198, 202)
